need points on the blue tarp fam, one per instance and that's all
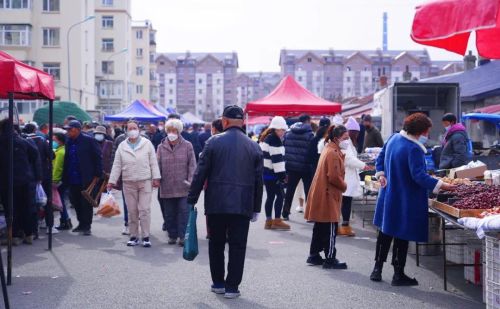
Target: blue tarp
(476, 84)
(136, 111)
(486, 117)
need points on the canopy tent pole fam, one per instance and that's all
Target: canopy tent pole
(4, 285)
(49, 212)
(10, 185)
(246, 123)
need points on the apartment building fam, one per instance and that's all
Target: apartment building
(38, 32)
(252, 86)
(339, 74)
(143, 54)
(201, 83)
(113, 51)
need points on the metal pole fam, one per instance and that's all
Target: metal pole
(10, 186)
(4, 285)
(50, 213)
(68, 64)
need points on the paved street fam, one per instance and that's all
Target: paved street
(101, 272)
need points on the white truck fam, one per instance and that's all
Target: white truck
(399, 100)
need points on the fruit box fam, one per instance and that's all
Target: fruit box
(471, 173)
(456, 212)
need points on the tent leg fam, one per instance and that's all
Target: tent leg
(4, 284)
(49, 212)
(246, 123)
(10, 186)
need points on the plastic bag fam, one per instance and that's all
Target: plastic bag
(56, 199)
(108, 207)
(41, 197)
(191, 239)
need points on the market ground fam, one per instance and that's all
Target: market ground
(101, 272)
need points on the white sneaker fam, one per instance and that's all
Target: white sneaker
(125, 231)
(41, 224)
(133, 242)
(300, 209)
(54, 231)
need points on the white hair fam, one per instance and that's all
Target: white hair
(176, 124)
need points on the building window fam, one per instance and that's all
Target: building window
(15, 35)
(200, 91)
(53, 69)
(107, 67)
(348, 68)
(107, 2)
(15, 4)
(107, 45)
(170, 91)
(138, 89)
(327, 78)
(138, 34)
(218, 81)
(50, 5)
(171, 81)
(300, 78)
(309, 59)
(348, 79)
(367, 79)
(200, 81)
(107, 22)
(138, 52)
(139, 71)
(200, 102)
(51, 37)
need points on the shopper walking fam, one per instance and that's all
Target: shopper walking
(58, 145)
(297, 161)
(274, 172)
(106, 148)
(325, 198)
(231, 163)
(136, 162)
(401, 213)
(177, 164)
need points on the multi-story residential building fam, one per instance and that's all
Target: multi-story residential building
(113, 54)
(253, 86)
(144, 61)
(201, 83)
(337, 74)
(37, 33)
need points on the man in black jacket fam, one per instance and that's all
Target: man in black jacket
(82, 163)
(232, 165)
(298, 162)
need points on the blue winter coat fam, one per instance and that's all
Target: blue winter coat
(402, 206)
(297, 143)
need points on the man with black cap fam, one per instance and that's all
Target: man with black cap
(373, 138)
(82, 163)
(232, 165)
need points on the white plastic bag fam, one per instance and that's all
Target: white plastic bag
(41, 197)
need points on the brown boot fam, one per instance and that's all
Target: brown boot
(345, 230)
(268, 224)
(279, 225)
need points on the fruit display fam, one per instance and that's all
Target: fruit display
(490, 212)
(478, 196)
(457, 181)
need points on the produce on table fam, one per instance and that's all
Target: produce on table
(456, 181)
(478, 196)
(490, 212)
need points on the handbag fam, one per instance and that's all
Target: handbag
(41, 197)
(56, 199)
(191, 238)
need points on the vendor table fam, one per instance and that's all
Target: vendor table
(454, 225)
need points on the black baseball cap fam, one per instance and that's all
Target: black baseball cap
(233, 112)
(73, 124)
(324, 122)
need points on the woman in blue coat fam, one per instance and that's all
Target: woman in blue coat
(402, 207)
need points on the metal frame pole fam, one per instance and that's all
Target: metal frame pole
(10, 186)
(49, 213)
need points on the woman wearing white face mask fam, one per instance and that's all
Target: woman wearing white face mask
(106, 148)
(177, 163)
(135, 161)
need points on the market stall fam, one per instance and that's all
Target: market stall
(19, 81)
(139, 111)
(61, 110)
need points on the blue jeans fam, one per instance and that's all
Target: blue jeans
(62, 193)
(125, 212)
(176, 216)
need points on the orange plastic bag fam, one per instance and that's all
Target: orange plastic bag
(108, 207)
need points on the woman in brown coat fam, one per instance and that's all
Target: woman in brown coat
(325, 200)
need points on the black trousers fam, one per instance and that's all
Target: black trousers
(346, 209)
(24, 217)
(323, 239)
(399, 249)
(83, 209)
(232, 229)
(291, 186)
(274, 197)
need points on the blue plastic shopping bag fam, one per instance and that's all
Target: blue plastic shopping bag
(191, 239)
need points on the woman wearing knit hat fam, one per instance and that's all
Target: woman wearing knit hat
(352, 166)
(274, 172)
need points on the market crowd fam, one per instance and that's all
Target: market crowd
(315, 161)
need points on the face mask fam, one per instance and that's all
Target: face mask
(344, 144)
(172, 137)
(423, 139)
(55, 145)
(99, 137)
(161, 128)
(447, 128)
(133, 133)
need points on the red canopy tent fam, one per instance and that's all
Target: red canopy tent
(289, 98)
(20, 81)
(447, 24)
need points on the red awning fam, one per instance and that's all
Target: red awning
(258, 120)
(289, 98)
(24, 81)
(447, 24)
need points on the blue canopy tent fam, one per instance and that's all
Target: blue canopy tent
(136, 111)
(486, 117)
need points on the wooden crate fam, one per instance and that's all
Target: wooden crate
(456, 212)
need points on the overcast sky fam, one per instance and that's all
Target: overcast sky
(258, 29)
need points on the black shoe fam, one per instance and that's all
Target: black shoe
(376, 274)
(286, 216)
(334, 264)
(64, 225)
(403, 280)
(86, 233)
(70, 225)
(77, 229)
(316, 260)
(164, 227)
